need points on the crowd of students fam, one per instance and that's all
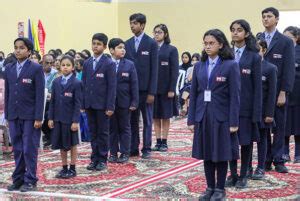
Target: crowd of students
(234, 94)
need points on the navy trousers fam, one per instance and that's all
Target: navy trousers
(276, 149)
(147, 114)
(99, 128)
(25, 141)
(120, 131)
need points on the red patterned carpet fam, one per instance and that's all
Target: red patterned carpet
(167, 175)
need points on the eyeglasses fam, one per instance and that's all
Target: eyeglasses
(210, 44)
(48, 63)
(158, 32)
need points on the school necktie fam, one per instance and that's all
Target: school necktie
(210, 68)
(268, 39)
(117, 65)
(237, 55)
(19, 68)
(136, 44)
(63, 81)
(94, 64)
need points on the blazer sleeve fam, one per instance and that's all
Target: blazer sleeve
(234, 93)
(111, 77)
(153, 69)
(39, 93)
(257, 105)
(6, 94)
(287, 81)
(77, 103)
(193, 98)
(174, 64)
(272, 88)
(52, 102)
(134, 87)
(83, 80)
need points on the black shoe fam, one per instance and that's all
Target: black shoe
(15, 186)
(123, 158)
(241, 183)
(61, 173)
(219, 195)
(249, 172)
(113, 158)
(259, 174)
(280, 168)
(231, 181)
(164, 148)
(206, 195)
(286, 158)
(268, 166)
(156, 147)
(101, 166)
(69, 174)
(134, 153)
(91, 166)
(146, 155)
(28, 187)
(47, 144)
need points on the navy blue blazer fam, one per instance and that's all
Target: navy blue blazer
(269, 81)
(24, 95)
(127, 85)
(168, 69)
(294, 97)
(281, 53)
(65, 100)
(225, 86)
(99, 86)
(145, 61)
(251, 85)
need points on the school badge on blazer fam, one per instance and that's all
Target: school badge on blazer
(145, 53)
(69, 94)
(246, 71)
(277, 56)
(164, 63)
(101, 75)
(221, 79)
(125, 74)
(27, 81)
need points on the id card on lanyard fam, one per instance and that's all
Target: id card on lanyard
(207, 92)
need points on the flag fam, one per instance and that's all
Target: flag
(41, 37)
(29, 31)
(35, 37)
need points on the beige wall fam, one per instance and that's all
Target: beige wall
(71, 23)
(68, 23)
(189, 19)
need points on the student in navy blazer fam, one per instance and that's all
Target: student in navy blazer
(24, 106)
(214, 111)
(165, 105)
(126, 102)
(281, 53)
(99, 95)
(246, 55)
(142, 50)
(64, 115)
(269, 82)
(293, 114)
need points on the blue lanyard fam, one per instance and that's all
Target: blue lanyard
(206, 68)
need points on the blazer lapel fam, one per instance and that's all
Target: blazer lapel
(69, 82)
(99, 64)
(214, 73)
(24, 68)
(244, 56)
(141, 43)
(273, 41)
(202, 73)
